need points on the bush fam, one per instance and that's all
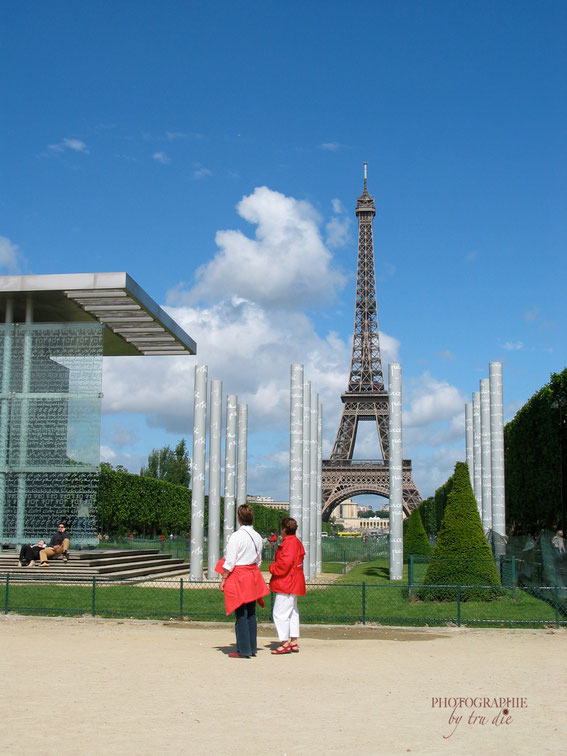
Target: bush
(462, 555)
(415, 537)
(146, 505)
(533, 464)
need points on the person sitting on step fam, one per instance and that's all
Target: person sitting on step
(30, 554)
(59, 544)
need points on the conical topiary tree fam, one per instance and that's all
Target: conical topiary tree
(461, 555)
(415, 537)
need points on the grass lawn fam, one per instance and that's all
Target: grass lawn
(365, 594)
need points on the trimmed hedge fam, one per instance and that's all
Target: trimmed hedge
(462, 555)
(148, 506)
(415, 537)
(533, 464)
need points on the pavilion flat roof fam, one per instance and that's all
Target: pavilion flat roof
(134, 323)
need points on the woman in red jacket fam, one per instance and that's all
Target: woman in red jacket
(288, 582)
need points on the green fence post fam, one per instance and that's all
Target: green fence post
(556, 594)
(93, 607)
(181, 599)
(458, 605)
(363, 603)
(7, 590)
(410, 573)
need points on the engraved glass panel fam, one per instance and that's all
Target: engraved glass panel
(49, 430)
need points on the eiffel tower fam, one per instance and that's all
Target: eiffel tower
(366, 398)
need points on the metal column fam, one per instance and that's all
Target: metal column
(485, 454)
(229, 468)
(395, 461)
(477, 452)
(305, 519)
(313, 486)
(296, 443)
(241, 470)
(198, 476)
(469, 441)
(497, 459)
(215, 426)
(319, 559)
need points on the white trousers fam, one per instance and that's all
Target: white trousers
(286, 616)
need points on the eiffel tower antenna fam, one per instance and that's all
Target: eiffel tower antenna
(366, 398)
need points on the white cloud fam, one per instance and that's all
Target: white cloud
(285, 266)
(433, 401)
(200, 173)
(387, 271)
(75, 145)
(250, 349)
(173, 136)
(330, 146)
(10, 257)
(514, 346)
(120, 435)
(430, 471)
(107, 454)
(532, 314)
(337, 229)
(446, 355)
(244, 312)
(162, 157)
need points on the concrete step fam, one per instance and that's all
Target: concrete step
(118, 565)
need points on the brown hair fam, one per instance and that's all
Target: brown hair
(289, 525)
(245, 514)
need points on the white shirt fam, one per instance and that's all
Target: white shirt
(244, 547)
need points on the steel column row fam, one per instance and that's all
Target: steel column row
(485, 447)
(235, 475)
(305, 467)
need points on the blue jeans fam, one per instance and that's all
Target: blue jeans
(245, 627)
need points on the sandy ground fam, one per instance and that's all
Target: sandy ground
(148, 687)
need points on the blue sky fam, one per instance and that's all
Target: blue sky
(214, 152)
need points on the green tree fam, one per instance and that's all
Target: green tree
(173, 466)
(148, 506)
(462, 554)
(533, 464)
(415, 537)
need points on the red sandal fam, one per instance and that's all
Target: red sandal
(294, 648)
(282, 650)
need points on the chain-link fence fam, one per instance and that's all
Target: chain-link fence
(333, 549)
(328, 603)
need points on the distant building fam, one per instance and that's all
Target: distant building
(348, 510)
(267, 501)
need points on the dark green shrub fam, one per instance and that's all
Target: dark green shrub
(462, 554)
(415, 537)
(135, 503)
(533, 463)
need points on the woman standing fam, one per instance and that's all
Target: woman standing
(242, 582)
(288, 582)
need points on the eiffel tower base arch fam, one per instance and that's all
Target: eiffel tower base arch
(343, 479)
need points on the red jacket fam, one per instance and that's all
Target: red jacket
(287, 570)
(243, 585)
